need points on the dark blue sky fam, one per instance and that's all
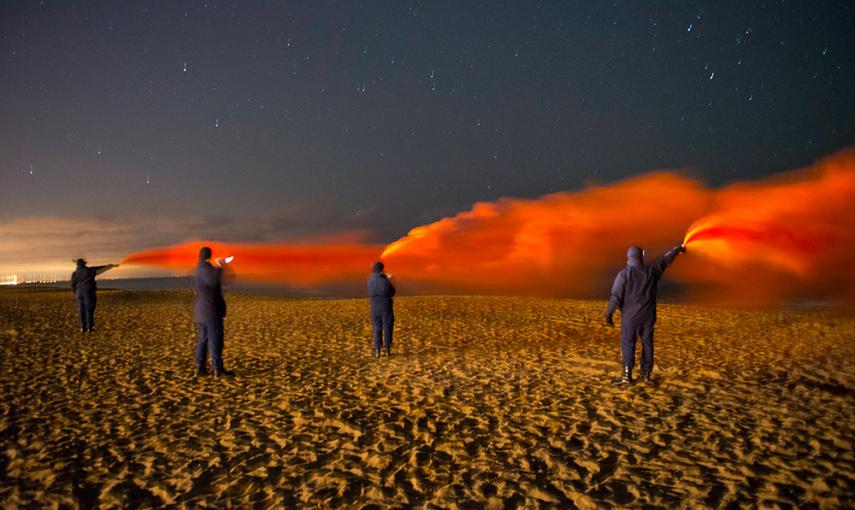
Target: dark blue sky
(285, 119)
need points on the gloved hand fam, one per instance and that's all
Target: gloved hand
(681, 248)
(610, 321)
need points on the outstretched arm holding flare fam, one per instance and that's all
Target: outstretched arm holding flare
(666, 260)
(107, 267)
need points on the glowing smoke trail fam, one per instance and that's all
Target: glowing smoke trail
(280, 263)
(563, 244)
(787, 237)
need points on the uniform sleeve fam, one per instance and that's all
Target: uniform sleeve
(101, 269)
(666, 260)
(391, 292)
(616, 299)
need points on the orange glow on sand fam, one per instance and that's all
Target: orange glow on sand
(787, 237)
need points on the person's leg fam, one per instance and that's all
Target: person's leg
(81, 311)
(377, 325)
(215, 345)
(647, 349)
(201, 346)
(388, 326)
(90, 312)
(628, 335)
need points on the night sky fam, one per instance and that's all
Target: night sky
(125, 125)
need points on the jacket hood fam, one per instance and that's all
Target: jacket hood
(635, 256)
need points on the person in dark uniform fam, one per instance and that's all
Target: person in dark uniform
(208, 313)
(84, 287)
(634, 293)
(380, 292)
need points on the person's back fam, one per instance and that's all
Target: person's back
(380, 291)
(634, 294)
(84, 287)
(639, 292)
(83, 281)
(209, 310)
(207, 284)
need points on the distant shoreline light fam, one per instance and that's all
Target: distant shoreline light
(14, 279)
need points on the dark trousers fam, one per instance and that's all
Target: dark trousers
(86, 309)
(383, 321)
(209, 338)
(628, 335)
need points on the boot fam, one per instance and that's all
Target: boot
(625, 378)
(223, 373)
(388, 351)
(200, 372)
(376, 353)
(646, 376)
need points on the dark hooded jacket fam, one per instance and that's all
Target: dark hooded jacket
(207, 283)
(380, 291)
(634, 289)
(83, 280)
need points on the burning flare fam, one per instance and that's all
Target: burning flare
(788, 237)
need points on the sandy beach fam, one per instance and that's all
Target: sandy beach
(487, 402)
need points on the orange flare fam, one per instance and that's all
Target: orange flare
(788, 237)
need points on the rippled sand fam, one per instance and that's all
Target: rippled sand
(485, 403)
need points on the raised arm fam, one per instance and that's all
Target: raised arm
(101, 269)
(666, 260)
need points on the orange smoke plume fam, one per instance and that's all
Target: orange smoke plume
(787, 237)
(568, 243)
(302, 265)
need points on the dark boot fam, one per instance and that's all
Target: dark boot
(646, 376)
(376, 353)
(223, 373)
(200, 372)
(388, 351)
(625, 378)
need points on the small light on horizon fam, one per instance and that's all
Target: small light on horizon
(9, 280)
